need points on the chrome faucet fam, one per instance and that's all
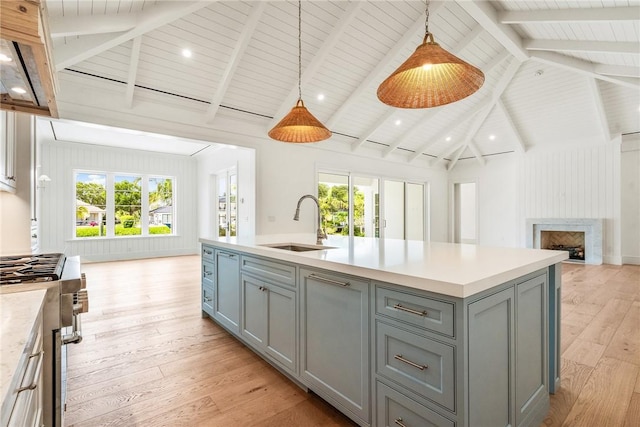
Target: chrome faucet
(320, 234)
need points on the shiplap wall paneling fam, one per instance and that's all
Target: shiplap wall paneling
(61, 159)
(576, 183)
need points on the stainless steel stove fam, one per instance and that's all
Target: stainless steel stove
(66, 299)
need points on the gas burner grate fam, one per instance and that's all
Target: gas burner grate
(31, 268)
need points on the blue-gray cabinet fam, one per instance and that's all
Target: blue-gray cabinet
(226, 288)
(335, 340)
(269, 320)
(208, 272)
(390, 355)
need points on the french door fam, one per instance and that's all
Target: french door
(226, 202)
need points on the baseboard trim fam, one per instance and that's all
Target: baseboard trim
(634, 260)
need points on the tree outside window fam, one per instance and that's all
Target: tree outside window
(128, 212)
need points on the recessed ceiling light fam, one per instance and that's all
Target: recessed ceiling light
(4, 58)
(492, 137)
(448, 139)
(321, 97)
(398, 122)
(18, 90)
(186, 53)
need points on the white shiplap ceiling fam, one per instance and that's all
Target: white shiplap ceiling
(556, 71)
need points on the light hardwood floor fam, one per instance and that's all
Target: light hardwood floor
(149, 359)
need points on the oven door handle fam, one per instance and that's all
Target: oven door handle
(75, 336)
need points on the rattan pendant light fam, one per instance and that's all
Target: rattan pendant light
(299, 126)
(430, 77)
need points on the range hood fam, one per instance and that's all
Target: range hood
(27, 81)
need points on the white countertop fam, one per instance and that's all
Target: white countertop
(18, 313)
(457, 270)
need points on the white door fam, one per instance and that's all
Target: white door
(227, 202)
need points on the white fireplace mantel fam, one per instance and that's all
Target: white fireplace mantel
(591, 227)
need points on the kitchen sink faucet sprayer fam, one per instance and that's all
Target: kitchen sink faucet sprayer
(320, 233)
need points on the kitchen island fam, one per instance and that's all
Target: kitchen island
(395, 332)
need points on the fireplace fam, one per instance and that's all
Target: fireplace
(581, 237)
(570, 241)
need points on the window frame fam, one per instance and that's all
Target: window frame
(110, 207)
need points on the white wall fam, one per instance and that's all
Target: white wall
(212, 161)
(15, 208)
(287, 171)
(570, 182)
(60, 159)
(497, 196)
(630, 199)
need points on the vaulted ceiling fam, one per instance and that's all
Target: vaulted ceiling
(557, 72)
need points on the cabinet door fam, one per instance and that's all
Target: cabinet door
(207, 300)
(531, 348)
(254, 311)
(227, 290)
(281, 322)
(335, 335)
(491, 360)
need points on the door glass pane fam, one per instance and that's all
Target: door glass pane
(91, 204)
(222, 205)
(394, 209)
(333, 195)
(128, 204)
(160, 206)
(415, 212)
(233, 205)
(366, 207)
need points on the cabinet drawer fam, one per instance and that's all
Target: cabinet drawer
(422, 365)
(423, 312)
(207, 273)
(271, 270)
(394, 409)
(207, 253)
(207, 299)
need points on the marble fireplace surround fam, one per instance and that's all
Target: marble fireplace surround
(592, 229)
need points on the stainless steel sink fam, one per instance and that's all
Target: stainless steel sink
(297, 247)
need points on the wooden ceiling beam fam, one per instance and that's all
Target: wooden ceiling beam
(233, 62)
(487, 17)
(319, 59)
(519, 141)
(430, 113)
(365, 84)
(511, 71)
(134, 60)
(582, 46)
(160, 14)
(553, 16)
(376, 125)
(71, 26)
(582, 67)
(455, 159)
(463, 116)
(599, 106)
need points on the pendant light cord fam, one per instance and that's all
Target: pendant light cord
(300, 49)
(426, 21)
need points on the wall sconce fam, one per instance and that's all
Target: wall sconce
(42, 181)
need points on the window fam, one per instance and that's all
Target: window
(116, 205)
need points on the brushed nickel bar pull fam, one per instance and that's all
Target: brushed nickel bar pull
(227, 254)
(263, 288)
(409, 362)
(408, 310)
(399, 422)
(208, 273)
(329, 281)
(36, 374)
(207, 251)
